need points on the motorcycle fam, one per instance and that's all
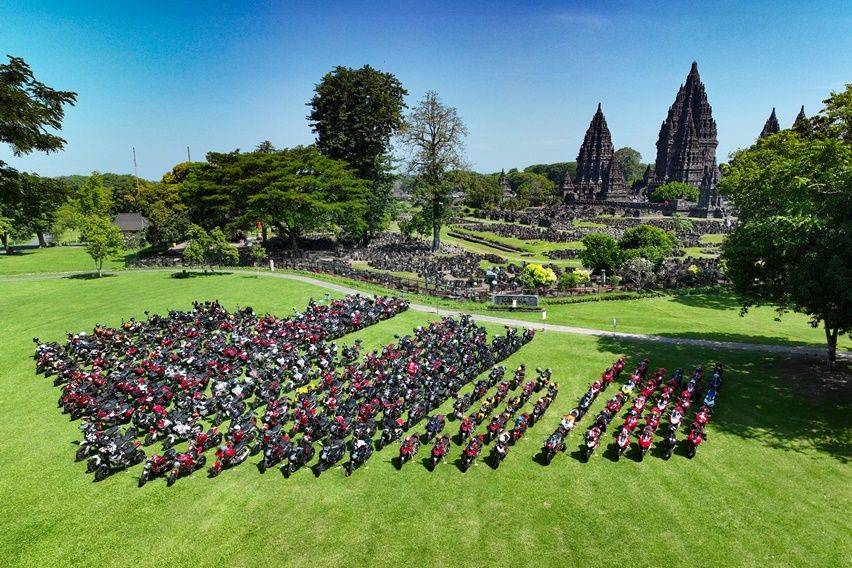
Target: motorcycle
(360, 453)
(471, 452)
(555, 443)
(498, 453)
(695, 438)
(668, 443)
(434, 427)
(156, 466)
(229, 455)
(115, 456)
(299, 456)
(184, 464)
(331, 453)
(408, 449)
(440, 450)
(622, 442)
(645, 439)
(593, 437)
(275, 449)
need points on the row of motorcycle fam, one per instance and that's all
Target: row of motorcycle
(658, 398)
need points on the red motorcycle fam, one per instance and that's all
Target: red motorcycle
(622, 442)
(471, 452)
(156, 466)
(645, 439)
(693, 441)
(593, 437)
(229, 455)
(185, 464)
(440, 449)
(408, 449)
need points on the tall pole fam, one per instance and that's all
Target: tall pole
(135, 170)
(188, 157)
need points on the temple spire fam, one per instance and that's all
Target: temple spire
(771, 126)
(801, 124)
(597, 176)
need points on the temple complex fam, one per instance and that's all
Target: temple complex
(801, 124)
(598, 177)
(771, 126)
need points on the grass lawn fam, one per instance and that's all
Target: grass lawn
(769, 488)
(53, 259)
(709, 316)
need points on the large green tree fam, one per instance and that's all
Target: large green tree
(630, 162)
(434, 137)
(30, 114)
(554, 172)
(648, 242)
(601, 252)
(792, 247)
(354, 114)
(301, 190)
(531, 189)
(480, 190)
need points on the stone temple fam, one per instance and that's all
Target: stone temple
(686, 146)
(771, 127)
(598, 177)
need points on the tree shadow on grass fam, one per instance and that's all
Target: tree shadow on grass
(711, 301)
(788, 403)
(194, 274)
(87, 276)
(740, 338)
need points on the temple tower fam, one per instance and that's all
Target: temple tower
(801, 124)
(599, 176)
(686, 147)
(771, 126)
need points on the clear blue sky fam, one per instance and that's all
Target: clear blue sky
(526, 78)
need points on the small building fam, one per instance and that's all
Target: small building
(132, 226)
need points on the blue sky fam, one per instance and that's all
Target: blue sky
(526, 77)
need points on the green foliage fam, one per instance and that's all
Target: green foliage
(554, 172)
(29, 110)
(103, 239)
(162, 205)
(303, 190)
(674, 190)
(480, 190)
(257, 254)
(531, 189)
(434, 138)
(537, 276)
(648, 242)
(630, 162)
(793, 245)
(209, 249)
(681, 223)
(572, 279)
(354, 113)
(601, 252)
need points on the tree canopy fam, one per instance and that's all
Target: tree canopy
(630, 162)
(673, 191)
(648, 242)
(434, 138)
(793, 245)
(554, 172)
(601, 252)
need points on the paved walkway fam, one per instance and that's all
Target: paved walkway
(810, 352)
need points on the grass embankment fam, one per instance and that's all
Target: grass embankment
(770, 486)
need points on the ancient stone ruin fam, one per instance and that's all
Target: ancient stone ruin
(599, 176)
(771, 127)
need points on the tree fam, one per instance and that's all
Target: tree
(792, 246)
(572, 279)
(648, 242)
(103, 239)
(640, 272)
(554, 172)
(601, 252)
(673, 191)
(41, 199)
(630, 162)
(434, 137)
(162, 205)
(302, 190)
(480, 191)
(30, 113)
(537, 276)
(531, 189)
(30, 110)
(209, 249)
(354, 114)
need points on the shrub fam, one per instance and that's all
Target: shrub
(639, 271)
(601, 252)
(573, 279)
(537, 276)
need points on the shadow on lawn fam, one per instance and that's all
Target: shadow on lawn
(739, 338)
(711, 301)
(87, 276)
(791, 404)
(194, 274)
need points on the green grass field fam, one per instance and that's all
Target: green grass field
(769, 488)
(53, 259)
